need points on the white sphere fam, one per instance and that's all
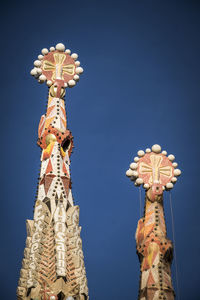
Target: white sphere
(52, 49)
(45, 51)
(148, 150)
(70, 298)
(33, 72)
(140, 153)
(163, 187)
(40, 56)
(74, 56)
(79, 70)
(129, 173)
(133, 166)
(68, 51)
(171, 157)
(42, 78)
(39, 71)
(65, 84)
(174, 179)
(139, 181)
(60, 47)
(177, 172)
(146, 186)
(49, 82)
(134, 173)
(136, 159)
(169, 185)
(156, 148)
(175, 165)
(77, 63)
(52, 298)
(164, 152)
(71, 83)
(37, 63)
(76, 77)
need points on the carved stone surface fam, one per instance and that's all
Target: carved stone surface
(155, 253)
(53, 265)
(156, 172)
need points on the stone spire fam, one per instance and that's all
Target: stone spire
(53, 266)
(157, 172)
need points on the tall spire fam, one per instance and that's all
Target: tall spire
(157, 172)
(53, 266)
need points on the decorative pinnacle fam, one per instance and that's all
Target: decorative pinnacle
(56, 64)
(154, 168)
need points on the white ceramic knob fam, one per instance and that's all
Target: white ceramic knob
(60, 47)
(156, 148)
(40, 56)
(175, 165)
(42, 78)
(37, 63)
(174, 179)
(135, 173)
(45, 51)
(49, 82)
(140, 153)
(133, 166)
(77, 63)
(169, 185)
(76, 77)
(171, 157)
(39, 71)
(74, 56)
(71, 83)
(129, 173)
(33, 72)
(68, 51)
(139, 181)
(164, 152)
(177, 172)
(79, 70)
(146, 186)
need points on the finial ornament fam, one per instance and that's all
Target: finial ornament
(53, 266)
(154, 169)
(57, 67)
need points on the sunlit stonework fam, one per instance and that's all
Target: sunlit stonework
(53, 264)
(156, 172)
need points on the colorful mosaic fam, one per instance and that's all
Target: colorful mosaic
(156, 172)
(53, 265)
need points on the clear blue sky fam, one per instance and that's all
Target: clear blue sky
(141, 86)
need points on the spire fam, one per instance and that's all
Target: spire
(53, 265)
(156, 172)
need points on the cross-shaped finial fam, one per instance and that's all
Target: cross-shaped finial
(154, 167)
(57, 65)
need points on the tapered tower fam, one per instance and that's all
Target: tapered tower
(53, 266)
(156, 172)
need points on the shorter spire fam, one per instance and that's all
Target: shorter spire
(156, 172)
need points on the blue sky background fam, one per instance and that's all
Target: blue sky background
(141, 86)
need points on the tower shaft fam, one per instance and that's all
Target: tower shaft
(53, 266)
(155, 252)
(156, 172)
